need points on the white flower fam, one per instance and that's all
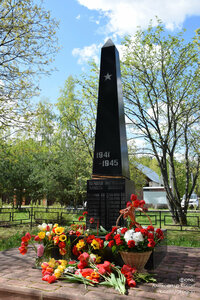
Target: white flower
(92, 258)
(132, 235)
(48, 233)
(129, 235)
(42, 227)
(138, 237)
(50, 226)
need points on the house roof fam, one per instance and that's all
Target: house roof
(153, 176)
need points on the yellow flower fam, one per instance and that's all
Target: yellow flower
(63, 262)
(95, 244)
(80, 245)
(57, 273)
(61, 268)
(59, 230)
(41, 235)
(52, 263)
(62, 237)
(98, 259)
(55, 225)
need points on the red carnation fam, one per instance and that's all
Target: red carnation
(144, 232)
(80, 218)
(119, 242)
(111, 243)
(124, 230)
(137, 229)
(108, 236)
(117, 236)
(78, 233)
(114, 229)
(85, 213)
(150, 228)
(151, 243)
(131, 243)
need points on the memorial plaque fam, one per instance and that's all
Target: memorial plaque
(111, 153)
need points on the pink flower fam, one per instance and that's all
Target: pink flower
(40, 250)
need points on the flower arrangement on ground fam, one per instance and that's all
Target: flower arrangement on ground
(49, 237)
(93, 273)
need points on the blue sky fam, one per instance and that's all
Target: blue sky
(85, 25)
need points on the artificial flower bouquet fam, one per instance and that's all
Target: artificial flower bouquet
(48, 238)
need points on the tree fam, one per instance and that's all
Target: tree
(27, 46)
(161, 89)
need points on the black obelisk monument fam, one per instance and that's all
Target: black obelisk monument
(110, 186)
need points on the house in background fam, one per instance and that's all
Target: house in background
(153, 192)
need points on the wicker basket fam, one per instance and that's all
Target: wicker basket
(136, 259)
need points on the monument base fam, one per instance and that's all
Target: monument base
(105, 198)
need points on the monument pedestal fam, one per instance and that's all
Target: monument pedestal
(105, 198)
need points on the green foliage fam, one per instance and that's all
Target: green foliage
(28, 44)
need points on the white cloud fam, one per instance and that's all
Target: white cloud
(78, 17)
(87, 53)
(125, 15)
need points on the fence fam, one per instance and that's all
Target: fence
(66, 216)
(34, 216)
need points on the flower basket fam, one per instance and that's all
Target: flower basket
(136, 259)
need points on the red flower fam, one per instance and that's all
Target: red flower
(78, 233)
(137, 229)
(136, 203)
(84, 257)
(117, 236)
(150, 236)
(114, 229)
(85, 213)
(111, 243)
(82, 264)
(37, 238)
(128, 204)
(108, 236)
(61, 245)
(80, 218)
(90, 238)
(124, 230)
(101, 242)
(22, 250)
(131, 282)
(105, 267)
(151, 243)
(51, 279)
(71, 262)
(87, 272)
(144, 232)
(131, 243)
(24, 239)
(133, 197)
(159, 234)
(119, 242)
(142, 203)
(75, 251)
(91, 220)
(150, 228)
(28, 236)
(62, 251)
